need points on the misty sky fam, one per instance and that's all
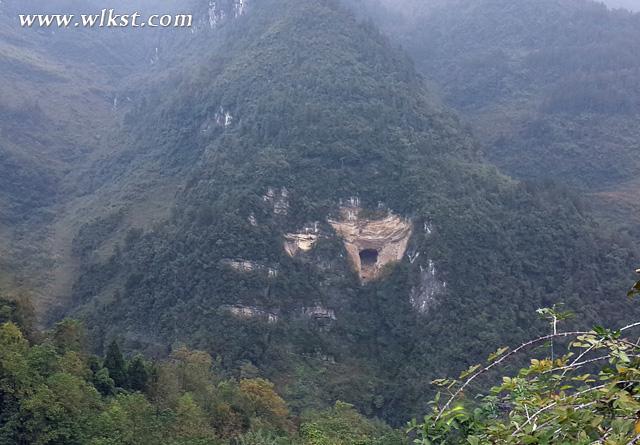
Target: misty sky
(629, 4)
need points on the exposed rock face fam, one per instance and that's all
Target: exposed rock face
(279, 199)
(372, 243)
(295, 243)
(423, 296)
(221, 119)
(219, 10)
(250, 266)
(241, 265)
(249, 312)
(319, 313)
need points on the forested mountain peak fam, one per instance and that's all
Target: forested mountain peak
(278, 187)
(324, 211)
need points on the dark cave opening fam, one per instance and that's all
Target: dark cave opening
(368, 257)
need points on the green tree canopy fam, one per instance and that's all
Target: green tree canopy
(115, 364)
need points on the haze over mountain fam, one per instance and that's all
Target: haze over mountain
(550, 88)
(632, 5)
(281, 188)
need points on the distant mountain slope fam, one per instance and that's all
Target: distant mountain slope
(52, 113)
(551, 87)
(59, 110)
(275, 130)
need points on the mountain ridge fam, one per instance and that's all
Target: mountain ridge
(273, 124)
(321, 109)
(549, 88)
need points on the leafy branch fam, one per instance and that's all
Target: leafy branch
(590, 394)
(635, 290)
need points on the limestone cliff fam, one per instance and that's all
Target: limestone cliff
(242, 265)
(304, 241)
(423, 296)
(299, 242)
(372, 242)
(251, 312)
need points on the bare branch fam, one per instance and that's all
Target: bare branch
(635, 440)
(504, 358)
(564, 399)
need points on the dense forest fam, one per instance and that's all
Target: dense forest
(582, 390)
(53, 391)
(326, 108)
(550, 88)
(158, 209)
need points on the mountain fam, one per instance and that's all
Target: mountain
(281, 190)
(550, 87)
(278, 187)
(58, 112)
(45, 129)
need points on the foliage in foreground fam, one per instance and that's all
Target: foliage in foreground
(589, 395)
(53, 392)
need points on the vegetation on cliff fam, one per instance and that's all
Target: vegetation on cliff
(322, 108)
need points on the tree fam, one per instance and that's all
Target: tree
(190, 421)
(70, 335)
(138, 376)
(115, 364)
(20, 311)
(16, 379)
(588, 395)
(343, 425)
(103, 383)
(50, 397)
(267, 408)
(59, 411)
(129, 419)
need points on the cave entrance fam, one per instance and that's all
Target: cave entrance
(368, 258)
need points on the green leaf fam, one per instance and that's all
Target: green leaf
(493, 357)
(469, 371)
(473, 440)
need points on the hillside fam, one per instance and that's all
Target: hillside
(550, 87)
(55, 391)
(46, 129)
(249, 156)
(61, 106)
